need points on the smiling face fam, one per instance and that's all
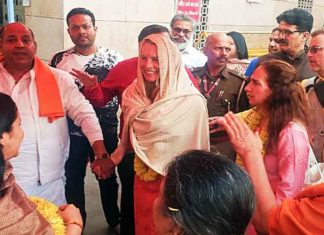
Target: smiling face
(258, 90)
(82, 31)
(149, 62)
(18, 47)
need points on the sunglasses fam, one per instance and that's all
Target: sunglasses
(179, 30)
(315, 49)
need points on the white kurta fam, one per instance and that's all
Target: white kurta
(39, 167)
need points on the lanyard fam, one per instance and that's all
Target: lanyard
(212, 86)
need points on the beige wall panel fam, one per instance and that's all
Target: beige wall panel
(45, 8)
(120, 36)
(104, 10)
(150, 11)
(48, 33)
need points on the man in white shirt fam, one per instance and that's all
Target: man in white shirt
(44, 97)
(182, 27)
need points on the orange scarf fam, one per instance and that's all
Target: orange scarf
(49, 99)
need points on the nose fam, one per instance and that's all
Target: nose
(247, 88)
(181, 34)
(148, 63)
(19, 43)
(281, 35)
(309, 54)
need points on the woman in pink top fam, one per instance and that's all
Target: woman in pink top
(280, 117)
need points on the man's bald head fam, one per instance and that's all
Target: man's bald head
(15, 26)
(215, 38)
(217, 49)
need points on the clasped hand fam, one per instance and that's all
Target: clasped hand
(103, 168)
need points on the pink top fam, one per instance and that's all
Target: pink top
(286, 168)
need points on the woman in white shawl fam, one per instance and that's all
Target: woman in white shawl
(164, 116)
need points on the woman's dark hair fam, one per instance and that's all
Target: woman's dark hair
(8, 114)
(207, 194)
(288, 100)
(241, 47)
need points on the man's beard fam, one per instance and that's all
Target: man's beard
(182, 45)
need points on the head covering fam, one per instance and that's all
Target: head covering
(239, 40)
(173, 77)
(175, 121)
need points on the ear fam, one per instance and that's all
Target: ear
(68, 30)
(4, 140)
(95, 28)
(306, 36)
(205, 51)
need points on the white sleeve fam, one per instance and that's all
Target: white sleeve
(77, 107)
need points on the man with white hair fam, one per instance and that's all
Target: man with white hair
(181, 33)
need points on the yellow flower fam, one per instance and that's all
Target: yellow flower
(253, 119)
(143, 171)
(50, 212)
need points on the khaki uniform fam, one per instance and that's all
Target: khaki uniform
(227, 95)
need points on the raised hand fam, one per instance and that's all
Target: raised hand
(241, 136)
(89, 81)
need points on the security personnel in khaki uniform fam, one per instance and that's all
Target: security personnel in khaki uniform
(222, 87)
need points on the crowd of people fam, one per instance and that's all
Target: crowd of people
(210, 142)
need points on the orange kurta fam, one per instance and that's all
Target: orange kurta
(302, 215)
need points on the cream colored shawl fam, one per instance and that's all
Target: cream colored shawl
(177, 119)
(18, 215)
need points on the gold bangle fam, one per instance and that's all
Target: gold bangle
(76, 223)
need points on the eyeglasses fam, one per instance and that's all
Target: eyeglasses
(179, 30)
(315, 49)
(288, 32)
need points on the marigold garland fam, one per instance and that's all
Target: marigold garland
(50, 212)
(253, 119)
(144, 172)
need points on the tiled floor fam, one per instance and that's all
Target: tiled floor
(96, 224)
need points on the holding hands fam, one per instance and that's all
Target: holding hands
(103, 167)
